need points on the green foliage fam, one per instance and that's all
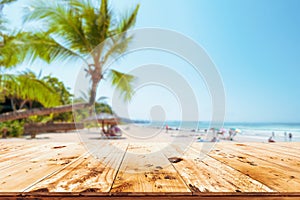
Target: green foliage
(6, 1)
(102, 108)
(64, 30)
(99, 107)
(10, 54)
(27, 87)
(76, 28)
(14, 128)
(42, 119)
(59, 88)
(11, 50)
(122, 82)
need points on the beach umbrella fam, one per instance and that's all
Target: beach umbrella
(100, 116)
(104, 118)
(223, 130)
(238, 130)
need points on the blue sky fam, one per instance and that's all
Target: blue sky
(255, 45)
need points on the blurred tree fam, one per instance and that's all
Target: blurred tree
(72, 29)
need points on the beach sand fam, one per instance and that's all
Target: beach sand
(136, 133)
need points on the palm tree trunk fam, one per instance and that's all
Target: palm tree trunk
(22, 104)
(40, 111)
(96, 76)
(93, 93)
(13, 106)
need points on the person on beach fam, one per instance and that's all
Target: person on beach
(285, 136)
(232, 133)
(290, 136)
(271, 139)
(167, 128)
(214, 139)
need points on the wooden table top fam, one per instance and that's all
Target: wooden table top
(117, 168)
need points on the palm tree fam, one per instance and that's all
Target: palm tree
(27, 88)
(73, 29)
(23, 87)
(77, 28)
(9, 50)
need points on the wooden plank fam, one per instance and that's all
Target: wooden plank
(14, 147)
(87, 173)
(210, 175)
(291, 146)
(18, 177)
(294, 145)
(289, 162)
(145, 196)
(11, 159)
(274, 176)
(146, 169)
(272, 147)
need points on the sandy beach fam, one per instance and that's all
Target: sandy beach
(138, 133)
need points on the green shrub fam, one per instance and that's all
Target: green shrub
(14, 128)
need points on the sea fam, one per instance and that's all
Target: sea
(254, 130)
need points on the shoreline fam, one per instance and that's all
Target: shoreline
(139, 133)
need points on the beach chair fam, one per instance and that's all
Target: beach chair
(113, 133)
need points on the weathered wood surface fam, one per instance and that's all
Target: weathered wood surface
(45, 160)
(146, 169)
(87, 173)
(120, 168)
(211, 175)
(273, 174)
(151, 196)
(155, 196)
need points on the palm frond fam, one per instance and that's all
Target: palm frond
(61, 19)
(122, 82)
(11, 52)
(27, 87)
(37, 90)
(116, 46)
(128, 20)
(6, 1)
(102, 99)
(47, 48)
(40, 45)
(5, 80)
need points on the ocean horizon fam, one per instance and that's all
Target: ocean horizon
(259, 130)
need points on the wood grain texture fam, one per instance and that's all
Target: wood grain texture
(210, 175)
(274, 176)
(115, 168)
(22, 155)
(146, 169)
(294, 145)
(276, 147)
(18, 177)
(286, 161)
(151, 196)
(14, 147)
(93, 172)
